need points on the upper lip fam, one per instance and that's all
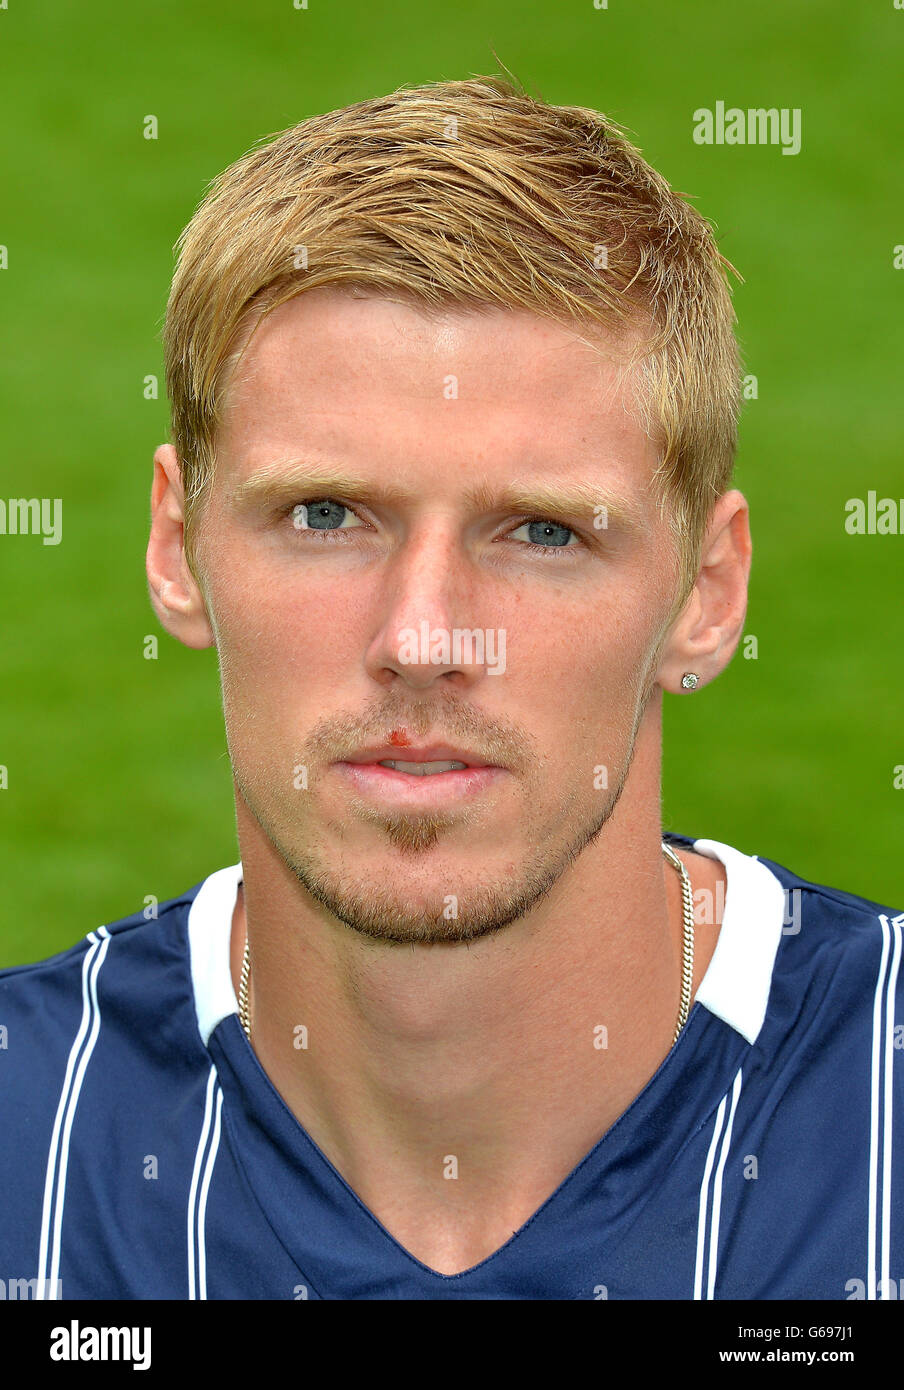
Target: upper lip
(431, 753)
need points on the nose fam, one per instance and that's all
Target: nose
(431, 610)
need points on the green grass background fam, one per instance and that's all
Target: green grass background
(119, 783)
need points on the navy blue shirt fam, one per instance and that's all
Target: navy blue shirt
(144, 1152)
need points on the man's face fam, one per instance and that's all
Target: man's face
(314, 622)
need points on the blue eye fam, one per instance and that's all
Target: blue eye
(319, 514)
(545, 529)
(321, 517)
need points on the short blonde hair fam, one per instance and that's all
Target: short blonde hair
(475, 194)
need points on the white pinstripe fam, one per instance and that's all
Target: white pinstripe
(704, 1187)
(881, 1072)
(710, 1254)
(202, 1205)
(717, 1193)
(896, 923)
(58, 1154)
(197, 1197)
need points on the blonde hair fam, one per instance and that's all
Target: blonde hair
(475, 194)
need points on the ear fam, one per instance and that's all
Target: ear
(177, 600)
(705, 635)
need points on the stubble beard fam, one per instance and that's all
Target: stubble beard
(484, 907)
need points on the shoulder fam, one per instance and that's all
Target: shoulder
(99, 1050)
(837, 984)
(132, 929)
(136, 964)
(848, 919)
(793, 953)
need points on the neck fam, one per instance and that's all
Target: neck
(498, 1063)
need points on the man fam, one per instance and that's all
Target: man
(455, 391)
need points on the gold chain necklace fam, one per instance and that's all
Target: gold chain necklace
(687, 970)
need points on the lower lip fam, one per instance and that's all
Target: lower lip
(408, 788)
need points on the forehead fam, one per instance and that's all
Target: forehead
(337, 371)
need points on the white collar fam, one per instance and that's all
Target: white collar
(209, 935)
(739, 977)
(735, 987)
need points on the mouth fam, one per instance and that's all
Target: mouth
(418, 769)
(406, 782)
(431, 760)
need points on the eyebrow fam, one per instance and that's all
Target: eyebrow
(283, 478)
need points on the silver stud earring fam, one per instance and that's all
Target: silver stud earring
(690, 680)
